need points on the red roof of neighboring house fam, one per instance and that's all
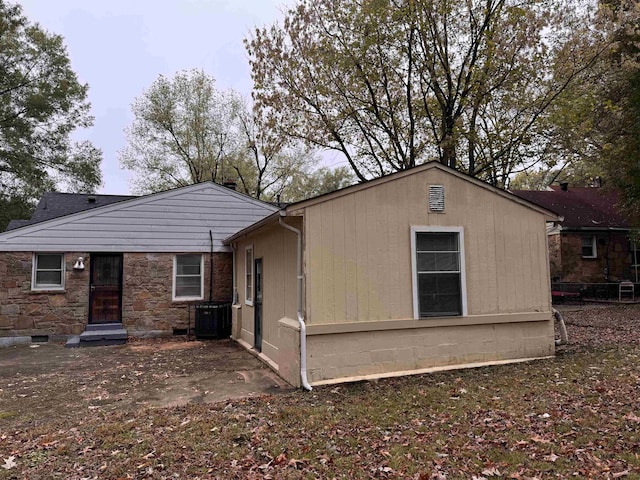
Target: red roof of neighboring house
(581, 207)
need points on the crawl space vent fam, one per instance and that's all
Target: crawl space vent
(436, 198)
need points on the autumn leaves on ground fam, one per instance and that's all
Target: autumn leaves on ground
(577, 416)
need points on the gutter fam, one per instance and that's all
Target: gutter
(303, 326)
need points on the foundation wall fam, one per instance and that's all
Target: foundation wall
(378, 352)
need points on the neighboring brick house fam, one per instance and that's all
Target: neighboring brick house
(591, 243)
(138, 261)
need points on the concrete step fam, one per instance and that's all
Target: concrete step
(109, 334)
(73, 342)
(98, 337)
(102, 326)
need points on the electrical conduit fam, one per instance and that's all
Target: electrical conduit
(303, 327)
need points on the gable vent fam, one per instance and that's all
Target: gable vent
(436, 198)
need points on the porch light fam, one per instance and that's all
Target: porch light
(79, 265)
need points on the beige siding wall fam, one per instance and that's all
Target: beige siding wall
(358, 250)
(277, 248)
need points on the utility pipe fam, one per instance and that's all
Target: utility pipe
(303, 327)
(564, 338)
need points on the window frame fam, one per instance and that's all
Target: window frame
(594, 247)
(175, 298)
(415, 229)
(248, 298)
(34, 270)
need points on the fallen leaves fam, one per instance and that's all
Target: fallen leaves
(570, 417)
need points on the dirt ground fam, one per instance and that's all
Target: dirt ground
(47, 380)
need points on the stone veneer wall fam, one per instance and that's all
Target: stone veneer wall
(24, 312)
(147, 308)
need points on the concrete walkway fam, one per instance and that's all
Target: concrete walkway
(47, 379)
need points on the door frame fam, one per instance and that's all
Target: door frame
(120, 281)
(258, 311)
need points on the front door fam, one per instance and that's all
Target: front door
(105, 296)
(257, 306)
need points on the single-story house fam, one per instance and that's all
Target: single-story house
(422, 269)
(590, 242)
(138, 261)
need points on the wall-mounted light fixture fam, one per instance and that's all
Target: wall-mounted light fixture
(79, 265)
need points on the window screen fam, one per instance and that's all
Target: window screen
(438, 272)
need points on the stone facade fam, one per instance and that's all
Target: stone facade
(612, 264)
(24, 312)
(147, 306)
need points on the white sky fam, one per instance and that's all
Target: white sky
(119, 47)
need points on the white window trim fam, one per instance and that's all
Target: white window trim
(594, 247)
(414, 267)
(175, 270)
(42, 288)
(247, 300)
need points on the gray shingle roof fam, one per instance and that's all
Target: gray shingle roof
(55, 204)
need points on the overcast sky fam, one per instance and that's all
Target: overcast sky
(119, 47)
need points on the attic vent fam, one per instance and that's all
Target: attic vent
(91, 199)
(436, 198)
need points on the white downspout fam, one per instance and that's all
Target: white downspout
(564, 338)
(234, 300)
(303, 327)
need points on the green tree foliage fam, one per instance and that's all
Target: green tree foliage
(394, 83)
(311, 183)
(183, 132)
(617, 109)
(186, 131)
(41, 104)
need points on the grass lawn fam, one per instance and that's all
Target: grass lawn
(577, 415)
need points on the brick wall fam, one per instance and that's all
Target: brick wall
(613, 257)
(146, 300)
(25, 313)
(555, 257)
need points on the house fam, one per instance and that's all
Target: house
(139, 261)
(590, 243)
(422, 269)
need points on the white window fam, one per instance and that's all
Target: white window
(589, 247)
(248, 275)
(187, 277)
(48, 271)
(439, 285)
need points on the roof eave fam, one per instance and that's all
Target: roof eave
(251, 228)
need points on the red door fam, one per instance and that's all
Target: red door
(105, 297)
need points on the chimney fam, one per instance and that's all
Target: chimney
(230, 184)
(564, 186)
(91, 199)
